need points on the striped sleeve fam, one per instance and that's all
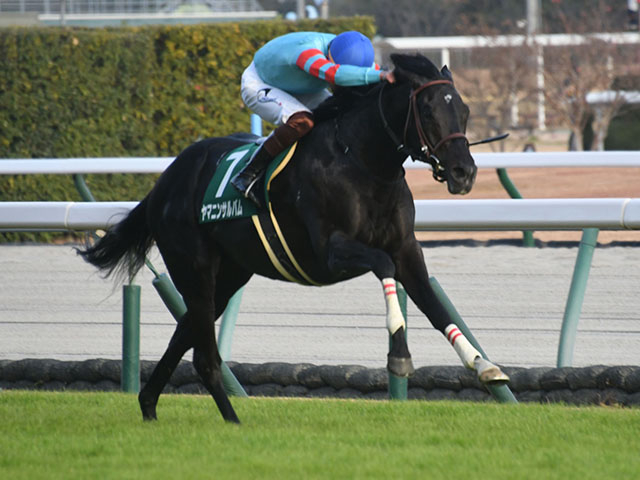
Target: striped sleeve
(314, 62)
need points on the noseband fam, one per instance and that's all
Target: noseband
(427, 152)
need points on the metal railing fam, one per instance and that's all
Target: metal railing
(128, 6)
(431, 215)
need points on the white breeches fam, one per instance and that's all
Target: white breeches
(271, 103)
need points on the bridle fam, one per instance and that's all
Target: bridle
(427, 151)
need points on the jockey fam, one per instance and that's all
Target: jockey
(288, 77)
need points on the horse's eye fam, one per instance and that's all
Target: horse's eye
(426, 109)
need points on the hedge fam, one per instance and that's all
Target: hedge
(624, 130)
(131, 91)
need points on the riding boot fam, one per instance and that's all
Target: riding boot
(247, 181)
(280, 139)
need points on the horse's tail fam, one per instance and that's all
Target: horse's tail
(124, 247)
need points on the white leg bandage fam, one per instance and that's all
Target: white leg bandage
(395, 319)
(463, 348)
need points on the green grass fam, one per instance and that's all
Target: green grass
(101, 435)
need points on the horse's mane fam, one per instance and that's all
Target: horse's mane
(342, 100)
(347, 98)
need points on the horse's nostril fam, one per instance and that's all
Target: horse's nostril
(463, 174)
(458, 173)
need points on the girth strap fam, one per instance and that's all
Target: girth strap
(277, 249)
(273, 240)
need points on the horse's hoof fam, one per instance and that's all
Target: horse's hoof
(149, 418)
(147, 407)
(400, 366)
(149, 413)
(490, 374)
(494, 376)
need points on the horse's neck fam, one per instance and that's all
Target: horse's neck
(364, 134)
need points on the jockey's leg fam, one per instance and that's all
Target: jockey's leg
(290, 114)
(280, 139)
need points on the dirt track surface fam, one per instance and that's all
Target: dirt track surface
(54, 305)
(536, 183)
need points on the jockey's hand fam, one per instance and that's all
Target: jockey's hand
(388, 77)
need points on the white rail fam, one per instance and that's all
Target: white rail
(538, 214)
(479, 41)
(159, 164)
(524, 214)
(28, 166)
(549, 160)
(62, 215)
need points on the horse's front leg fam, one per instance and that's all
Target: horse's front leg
(347, 255)
(412, 273)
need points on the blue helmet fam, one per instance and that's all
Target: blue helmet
(352, 48)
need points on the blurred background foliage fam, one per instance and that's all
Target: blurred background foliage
(138, 91)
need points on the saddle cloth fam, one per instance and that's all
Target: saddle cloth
(221, 200)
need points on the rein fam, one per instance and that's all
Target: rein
(427, 152)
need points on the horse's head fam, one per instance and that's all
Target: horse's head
(434, 130)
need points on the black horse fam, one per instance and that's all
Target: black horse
(342, 204)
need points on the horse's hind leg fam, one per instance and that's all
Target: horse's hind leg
(180, 342)
(195, 279)
(206, 358)
(206, 299)
(207, 362)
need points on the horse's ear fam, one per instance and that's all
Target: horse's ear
(401, 72)
(446, 73)
(416, 69)
(403, 76)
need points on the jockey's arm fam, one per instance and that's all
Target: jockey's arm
(315, 63)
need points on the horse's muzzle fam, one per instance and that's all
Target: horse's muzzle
(461, 177)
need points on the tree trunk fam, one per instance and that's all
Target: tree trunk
(599, 133)
(575, 143)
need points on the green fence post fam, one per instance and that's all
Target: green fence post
(527, 235)
(130, 338)
(228, 325)
(575, 298)
(169, 295)
(398, 386)
(82, 188)
(502, 393)
(130, 373)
